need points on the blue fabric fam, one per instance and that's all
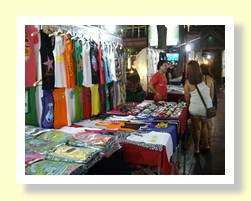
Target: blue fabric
(47, 112)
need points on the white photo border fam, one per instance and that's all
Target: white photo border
(228, 178)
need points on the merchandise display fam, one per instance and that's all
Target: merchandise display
(65, 153)
(47, 167)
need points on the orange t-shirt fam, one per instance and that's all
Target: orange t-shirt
(60, 110)
(69, 63)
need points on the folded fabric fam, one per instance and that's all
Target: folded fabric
(155, 138)
(74, 130)
(32, 131)
(55, 136)
(67, 153)
(47, 167)
(31, 157)
(39, 145)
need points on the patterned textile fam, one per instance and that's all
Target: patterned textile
(31, 157)
(72, 154)
(54, 136)
(47, 167)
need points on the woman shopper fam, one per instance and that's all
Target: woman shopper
(197, 110)
(208, 79)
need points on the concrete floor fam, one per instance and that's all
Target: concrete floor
(212, 163)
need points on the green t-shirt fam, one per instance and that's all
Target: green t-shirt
(78, 104)
(77, 55)
(30, 107)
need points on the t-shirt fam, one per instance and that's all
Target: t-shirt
(60, 74)
(94, 63)
(30, 107)
(78, 104)
(70, 101)
(87, 71)
(107, 99)
(159, 83)
(86, 102)
(102, 98)
(47, 113)
(106, 60)
(112, 64)
(95, 100)
(39, 105)
(101, 66)
(60, 109)
(31, 39)
(47, 60)
(69, 63)
(78, 62)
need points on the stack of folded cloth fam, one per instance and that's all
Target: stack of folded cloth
(39, 145)
(106, 144)
(32, 156)
(46, 141)
(32, 131)
(55, 136)
(87, 156)
(48, 167)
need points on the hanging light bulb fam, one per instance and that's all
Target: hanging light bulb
(188, 47)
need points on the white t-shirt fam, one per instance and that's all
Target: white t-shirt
(58, 52)
(111, 58)
(70, 105)
(87, 71)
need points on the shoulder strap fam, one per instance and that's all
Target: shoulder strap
(201, 96)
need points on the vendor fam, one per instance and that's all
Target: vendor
(158, 82)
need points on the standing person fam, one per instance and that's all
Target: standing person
(158, 82)
(208, 79)
(196, 108)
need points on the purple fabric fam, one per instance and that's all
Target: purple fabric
(47, 112)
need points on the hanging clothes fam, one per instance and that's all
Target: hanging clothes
(112, 67)
(77, 55)
(31, 40)
(94, 62)
(30, 107)
(69, 63)
(101, 65)
(39, 105)
(47, 113)
(108, 78)
(102, 98)
(70, 102)
(107, 98)
(47, 60)
(87, 105)
(95, 100)
(78, 104)
(118, 64)
(60, 108)
(87, 70)
(58, 52)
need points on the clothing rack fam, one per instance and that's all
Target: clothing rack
(88, 32)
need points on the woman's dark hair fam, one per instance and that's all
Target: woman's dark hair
(205, 70)
(194, 75)
(160, 63)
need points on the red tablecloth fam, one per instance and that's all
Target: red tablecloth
(138, 155)
(183, 120)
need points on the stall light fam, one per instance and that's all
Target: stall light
(188, 47)
(209, 57)
(206, 62)
(131, 71)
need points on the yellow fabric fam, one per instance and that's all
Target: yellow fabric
(95, 100)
